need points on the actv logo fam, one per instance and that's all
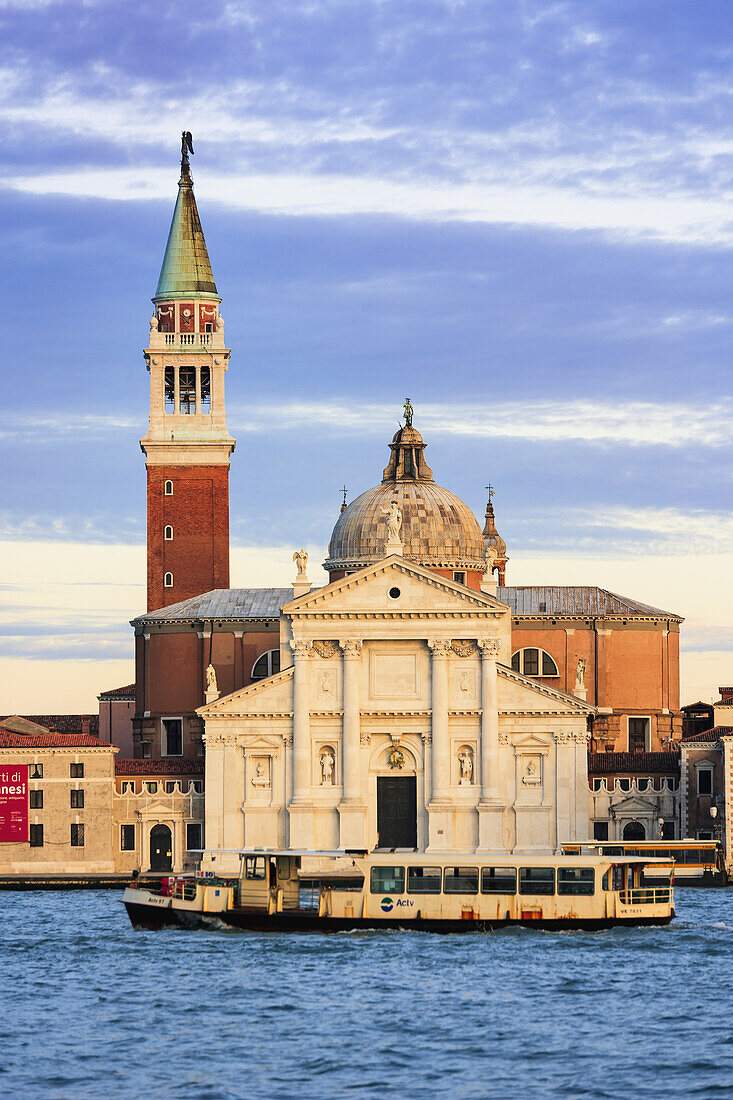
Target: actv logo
(387, 904)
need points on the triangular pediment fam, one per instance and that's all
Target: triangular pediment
(522, 693)
(531, 741)
(366, 592)
(636, 804)
(274, 695)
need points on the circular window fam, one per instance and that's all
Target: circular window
(395, 593)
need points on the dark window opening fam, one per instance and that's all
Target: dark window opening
(168, 489)
(187, 390)
(36, 771)
(266, 665)
(704, 781)
(77, 800)
(127, 838)
(36, 836)
(77, 836)
(36, 800)
(638, 728)
(170, 390)
(173, 735)
(194, 841)
(531, 662)
(206, 387)
(76, 771)
(600, 830)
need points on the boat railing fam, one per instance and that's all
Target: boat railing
(646, 895)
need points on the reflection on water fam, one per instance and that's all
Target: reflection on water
(93, 1009)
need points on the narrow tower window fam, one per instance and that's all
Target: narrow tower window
(168, 534)
(168, 488)
(205, 390)
(167, 580)
(187, 390)
(170, 390)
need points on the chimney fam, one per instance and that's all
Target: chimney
(85, 724)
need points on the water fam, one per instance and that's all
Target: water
(91, 1008)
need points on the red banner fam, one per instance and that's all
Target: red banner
(14, 804)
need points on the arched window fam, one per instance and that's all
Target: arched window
(267, 664)
(534, 662)
(168, 534)
(167, 580)
(634, 831)
(168, 488)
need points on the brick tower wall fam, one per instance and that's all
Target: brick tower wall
(198, 512)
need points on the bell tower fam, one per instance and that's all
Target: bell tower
(187, 445)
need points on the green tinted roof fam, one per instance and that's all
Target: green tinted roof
(186, 270)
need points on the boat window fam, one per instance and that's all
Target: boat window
(423, 880)
(498, 880)
(576, 880)
(283, 868)
(461, 880)
(606, 880)
(255, 867)
(536, 880)
(388, 880)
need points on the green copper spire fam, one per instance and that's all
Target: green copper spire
(186, 270)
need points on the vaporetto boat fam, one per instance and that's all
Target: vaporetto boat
(408, 890)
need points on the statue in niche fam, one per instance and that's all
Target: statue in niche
(394, 520)
(261, 778)
(530, 777)
(211, 684)
(465, 757)
(300, 557)
(580, 673)
(327, 763)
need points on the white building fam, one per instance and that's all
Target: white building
(396, 719)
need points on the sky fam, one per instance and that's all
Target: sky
(517, 212)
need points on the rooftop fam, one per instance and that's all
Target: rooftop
(128, 691)
(572, 601)
(54, 723)
(633, 763)
(576, 601)
(9, 739)
(707, 736)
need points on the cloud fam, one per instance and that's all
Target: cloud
(623, 423)
(680, 218)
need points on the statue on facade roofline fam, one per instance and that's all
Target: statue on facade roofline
(580, 673)
(211, 684)
(300, 557)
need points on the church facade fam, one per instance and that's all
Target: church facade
(396, 722)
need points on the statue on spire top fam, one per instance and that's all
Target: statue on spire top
(407, 413)
(186, 147)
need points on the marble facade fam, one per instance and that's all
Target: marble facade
(394, 671)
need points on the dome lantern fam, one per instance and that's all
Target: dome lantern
(438, 529)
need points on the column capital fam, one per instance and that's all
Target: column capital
(300, 647)
(490, 647)
(351, 647)
(440, 647)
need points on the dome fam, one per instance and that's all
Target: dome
(438, 529)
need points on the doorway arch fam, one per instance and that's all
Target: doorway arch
(634, 830)
(161, 848)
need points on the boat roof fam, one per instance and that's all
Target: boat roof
(427, 859)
